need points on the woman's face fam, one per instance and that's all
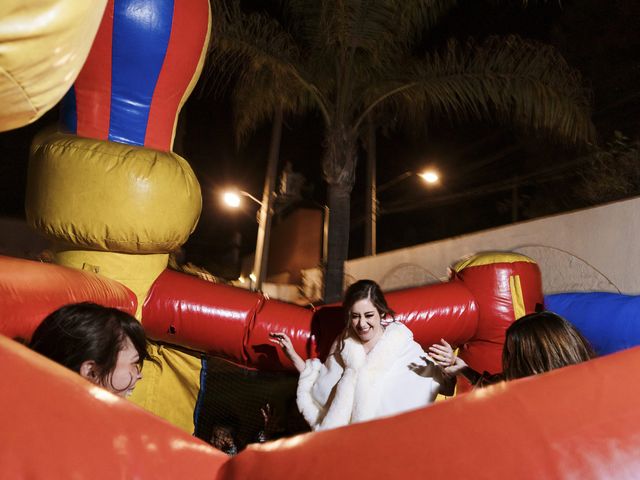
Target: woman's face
(366, 321)
(126, 373)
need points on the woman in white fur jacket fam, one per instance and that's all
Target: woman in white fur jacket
(374, 368)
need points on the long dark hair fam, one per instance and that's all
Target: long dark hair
(86, 331)
(540, 342)
(366, 289)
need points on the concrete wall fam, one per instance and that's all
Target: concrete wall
(595, 249)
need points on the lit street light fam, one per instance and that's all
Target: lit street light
(233, 198)
(430, 176)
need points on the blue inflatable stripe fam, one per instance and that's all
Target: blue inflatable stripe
(69, 112)
(141, 32)
(202, 393)
(610, 321)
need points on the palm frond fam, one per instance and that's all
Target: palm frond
(416, 18)
(375, 29)
(503, 79)
(252, 54)
(257, 96)
(240, 39)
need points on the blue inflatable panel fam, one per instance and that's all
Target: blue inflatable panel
(610, 321)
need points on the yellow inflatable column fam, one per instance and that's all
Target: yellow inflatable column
(110, 192)
(118, 210)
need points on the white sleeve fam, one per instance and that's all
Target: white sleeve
(307, 405)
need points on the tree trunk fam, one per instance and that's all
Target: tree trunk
(339, 225)
(338, 167)
(371, 200)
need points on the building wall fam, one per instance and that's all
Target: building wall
(296, 244)
(594, 249)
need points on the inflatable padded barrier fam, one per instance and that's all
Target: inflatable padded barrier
(57, 425)
(234, 323)
(610, 321)
(575, 422)
(505, 286)
(29, 291)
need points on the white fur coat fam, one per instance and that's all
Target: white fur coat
(352, 386)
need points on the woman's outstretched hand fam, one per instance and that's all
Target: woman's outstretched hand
(283, 340)
(444, 356)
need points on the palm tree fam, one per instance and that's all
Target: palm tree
(348, 59)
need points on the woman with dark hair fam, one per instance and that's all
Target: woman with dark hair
(104, 345)
(535, 343)
(374, 368)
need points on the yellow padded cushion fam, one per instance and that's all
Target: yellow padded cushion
(108, 196)
(43, 45)
(136, 272)
(170, 384)
(489, 258)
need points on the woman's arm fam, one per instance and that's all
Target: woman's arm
(282, 339)
(447, 384)
(471, 375)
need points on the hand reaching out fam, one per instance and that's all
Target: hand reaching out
(444, 356)
(283, 340)
(271, 426)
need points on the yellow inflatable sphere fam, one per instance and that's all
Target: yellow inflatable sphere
(109, 196)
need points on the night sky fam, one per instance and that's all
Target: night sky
(478, 161)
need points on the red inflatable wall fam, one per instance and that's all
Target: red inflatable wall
(29, 291)
(577, 422)
(56, 425)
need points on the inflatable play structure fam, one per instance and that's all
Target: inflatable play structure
(585, 413)
(115, 201)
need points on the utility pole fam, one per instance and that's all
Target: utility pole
(266, 209)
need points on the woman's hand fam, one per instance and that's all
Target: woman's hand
(283, 340)
(444, 356)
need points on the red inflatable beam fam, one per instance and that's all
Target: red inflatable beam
(577, 422)
(234, 323)
(57, 425)
(30, 290)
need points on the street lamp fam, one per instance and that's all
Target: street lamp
(233, 198)
(429, 176)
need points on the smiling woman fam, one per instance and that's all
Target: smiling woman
(104, 345)
(374, 369)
